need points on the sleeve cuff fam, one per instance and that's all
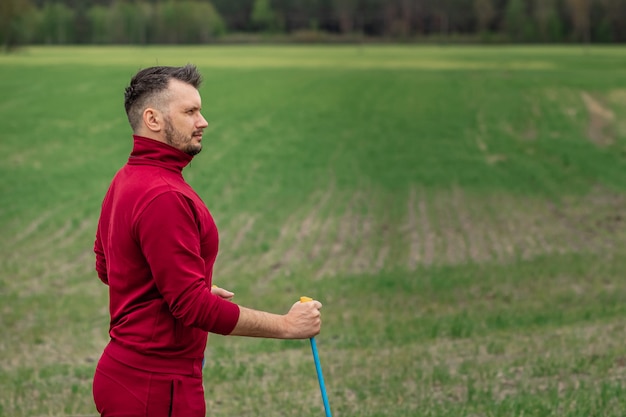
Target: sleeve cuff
(229, 316)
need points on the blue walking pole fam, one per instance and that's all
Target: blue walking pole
(318, 367)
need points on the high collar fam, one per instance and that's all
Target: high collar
(148, 151)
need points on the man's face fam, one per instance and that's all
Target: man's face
(184, 123)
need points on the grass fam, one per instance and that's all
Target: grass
(458, 210)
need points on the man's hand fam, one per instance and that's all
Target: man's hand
(303, 320)
(222, 293)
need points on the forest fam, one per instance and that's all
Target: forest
(204, 21)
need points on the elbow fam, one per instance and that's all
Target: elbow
(207, 312)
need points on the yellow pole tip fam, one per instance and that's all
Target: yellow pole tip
(304, 299)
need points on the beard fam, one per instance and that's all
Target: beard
(179, 140)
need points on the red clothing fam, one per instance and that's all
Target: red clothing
(155, 247)
(124, 391)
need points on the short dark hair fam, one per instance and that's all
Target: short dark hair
(147, 86)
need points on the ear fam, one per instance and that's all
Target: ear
(153, 119)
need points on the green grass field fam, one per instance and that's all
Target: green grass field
(460, 211)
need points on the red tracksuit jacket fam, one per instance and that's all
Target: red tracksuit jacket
(155, 247)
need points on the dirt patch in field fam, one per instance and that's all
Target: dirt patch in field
(598, 218)
(361, 233)
(600, 120)
(357, 234)
(348, 237)
(245, 226)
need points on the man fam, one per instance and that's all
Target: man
(155, 247)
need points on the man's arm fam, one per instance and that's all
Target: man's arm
(167, 231)
(301, 322)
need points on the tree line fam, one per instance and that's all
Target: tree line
(204, 21)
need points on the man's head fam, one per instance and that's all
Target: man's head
(163, 103)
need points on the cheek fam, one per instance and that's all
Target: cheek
(185, 124)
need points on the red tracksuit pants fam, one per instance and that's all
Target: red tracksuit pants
(121, 390)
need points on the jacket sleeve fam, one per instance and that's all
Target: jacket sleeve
(169, 236)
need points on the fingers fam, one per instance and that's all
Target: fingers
(313, 303)
(222, 293)
(305, 319)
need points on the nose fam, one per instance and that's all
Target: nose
(202, 123)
